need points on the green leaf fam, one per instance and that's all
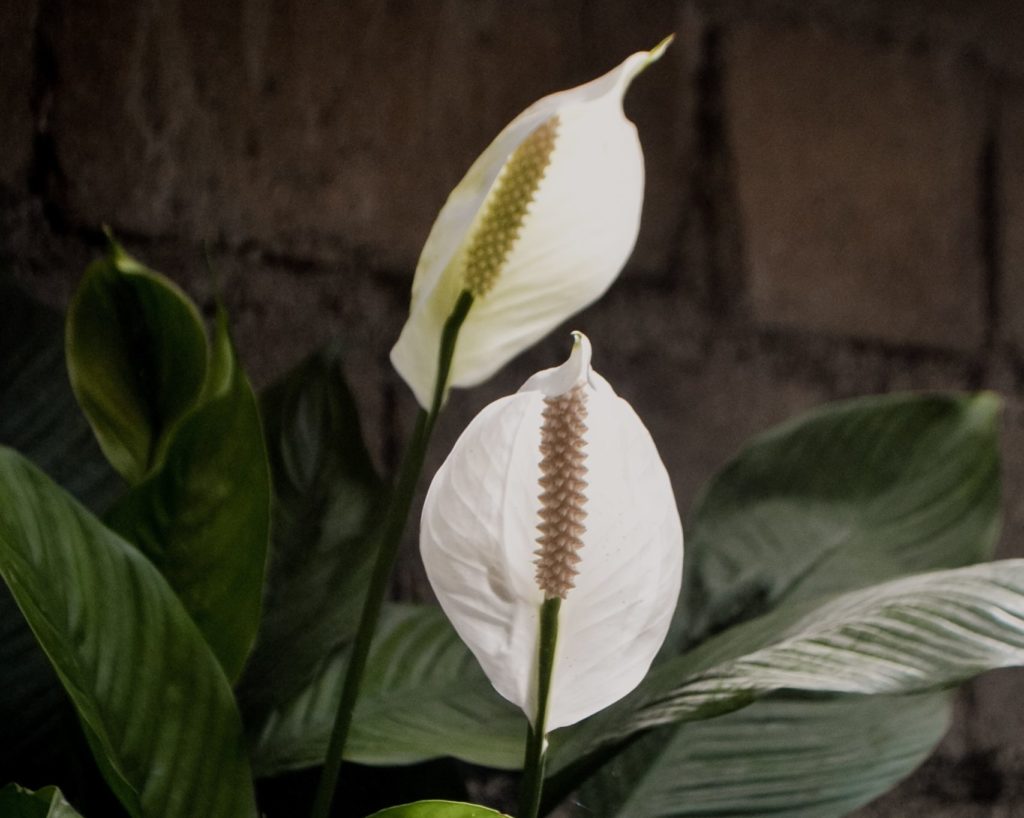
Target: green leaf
(910, 635)
(17, 802)
(137, 357)
(325, 497)
(155, 705)
(40, 418)
(423, 696)
(786, 758)
(852, 494)
(204, 517)
(438, 809)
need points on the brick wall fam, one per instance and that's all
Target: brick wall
(835, 207)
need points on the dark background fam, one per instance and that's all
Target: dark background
(835, 207)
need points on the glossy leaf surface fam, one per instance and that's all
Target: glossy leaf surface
(154, 703)
(423, 696)
(137, 357)
(848, 495)
(788, 758)
(203, 517)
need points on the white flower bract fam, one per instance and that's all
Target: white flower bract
(539, 227)
(479, 534)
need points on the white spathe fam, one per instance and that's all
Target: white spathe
(577, 233)
(479, 531)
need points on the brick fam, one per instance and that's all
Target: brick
(319, 129)
(17, 29)
(990, 31)
(857, 171)
(1011, 206)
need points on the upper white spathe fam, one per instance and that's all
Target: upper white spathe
(575, 238)
(478, 535)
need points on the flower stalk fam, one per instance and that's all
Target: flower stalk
(388, 539)
(536, 734)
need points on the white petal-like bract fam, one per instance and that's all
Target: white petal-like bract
(538, 229)
(480, 528)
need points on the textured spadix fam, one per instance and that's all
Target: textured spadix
(538, 228)
(484, 521)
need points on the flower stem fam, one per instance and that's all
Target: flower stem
(536, 735)
(388, 539)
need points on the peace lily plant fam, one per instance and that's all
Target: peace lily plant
(539, 227)
(194, 573)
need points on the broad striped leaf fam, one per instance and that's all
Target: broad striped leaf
(910, 635)
(40, 418)
(787, 758)
(851, 494)
(155, 705)
(423, 696)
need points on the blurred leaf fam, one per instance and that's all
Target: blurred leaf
(325, 495)
(203, 517)
(17, 802)
(38, 413)
(438, 809)
(154, 703)
(137, 358)
(423, 696)
(849, 495)
(783, 757)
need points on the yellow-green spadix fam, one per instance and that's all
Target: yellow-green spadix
(557, 490)
(539, 227)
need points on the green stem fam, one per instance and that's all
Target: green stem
(388, 539)
(536, 752)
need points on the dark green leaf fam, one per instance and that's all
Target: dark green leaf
(786, 758)
(325, 493)
(438, 809)
(17, 802)
(852, 494)
(40, 418)
(137, 357)
(203, 518)
(423, 696)
(38, 413)
(156, 707)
